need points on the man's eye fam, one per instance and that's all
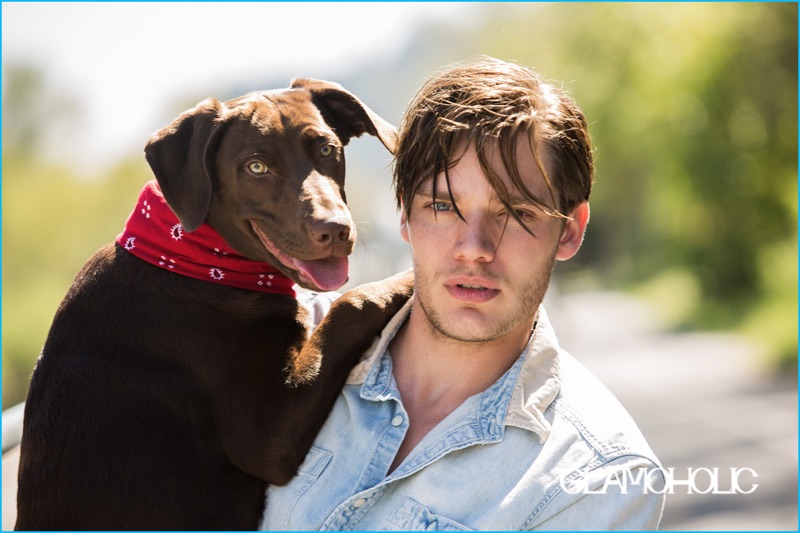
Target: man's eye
(441, 206)
(524, 214)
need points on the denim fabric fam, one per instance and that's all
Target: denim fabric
(546, 447)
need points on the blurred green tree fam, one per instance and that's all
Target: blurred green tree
(52, 219)
(31, 109)
(693, 108)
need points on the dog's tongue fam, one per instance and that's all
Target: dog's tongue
(328, 274)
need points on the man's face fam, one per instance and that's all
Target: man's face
(482, 278)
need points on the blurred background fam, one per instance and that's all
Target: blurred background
(687, 278)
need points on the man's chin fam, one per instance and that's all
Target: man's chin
(466, 325)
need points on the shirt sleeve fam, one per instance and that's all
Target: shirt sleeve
(611, 499)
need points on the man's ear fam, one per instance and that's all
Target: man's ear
(572, 236)
(404, 224)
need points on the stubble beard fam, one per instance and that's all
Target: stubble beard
(525, 308)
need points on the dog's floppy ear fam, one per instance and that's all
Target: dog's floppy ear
(345, 113)
(181, 158)
(350, 327)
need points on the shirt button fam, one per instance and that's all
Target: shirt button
(396, 421)
(359, 502)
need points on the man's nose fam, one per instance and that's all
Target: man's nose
(477, 239)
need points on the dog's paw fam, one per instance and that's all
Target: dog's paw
(378, 298)
(349, 328)
(303, 366)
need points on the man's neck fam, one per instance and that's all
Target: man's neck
(435, 374)
(432, 360)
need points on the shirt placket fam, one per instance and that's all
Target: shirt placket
(480, 428)
(381, 388)
(347, 516)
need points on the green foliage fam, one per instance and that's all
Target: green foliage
(53, 222)
(31, 111)
(693, 110)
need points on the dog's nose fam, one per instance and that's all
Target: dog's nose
(326, 232)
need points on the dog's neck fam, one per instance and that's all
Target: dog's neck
(154, 234)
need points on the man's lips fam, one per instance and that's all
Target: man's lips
(325, 274)
(474, 290)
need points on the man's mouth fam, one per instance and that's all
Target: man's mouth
(326, 274)
(472, 291)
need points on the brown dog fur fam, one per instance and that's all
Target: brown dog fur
(350, 324)
(160, 401)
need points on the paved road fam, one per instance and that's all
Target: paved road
(701, 400)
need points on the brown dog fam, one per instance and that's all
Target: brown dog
(160, 401)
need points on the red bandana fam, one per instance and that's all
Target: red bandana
(154, 234)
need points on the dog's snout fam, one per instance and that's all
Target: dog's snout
(326, 232)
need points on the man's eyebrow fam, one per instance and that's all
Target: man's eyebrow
(426, 191)
(515, 199)
(519, 201)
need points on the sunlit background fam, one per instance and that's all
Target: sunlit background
(684, 295)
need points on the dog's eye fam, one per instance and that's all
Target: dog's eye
(257, 167)
(325, 150)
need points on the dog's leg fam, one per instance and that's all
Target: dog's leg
(350, 326)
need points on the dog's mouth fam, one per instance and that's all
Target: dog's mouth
(327, 274)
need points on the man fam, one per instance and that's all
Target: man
(466, 414)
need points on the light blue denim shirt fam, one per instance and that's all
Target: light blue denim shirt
(546, 447)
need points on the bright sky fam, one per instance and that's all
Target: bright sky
(130, 61)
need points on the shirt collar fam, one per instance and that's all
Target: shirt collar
(533, 381)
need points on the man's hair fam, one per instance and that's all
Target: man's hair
(489, 103)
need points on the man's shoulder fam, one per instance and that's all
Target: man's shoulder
(599, 418)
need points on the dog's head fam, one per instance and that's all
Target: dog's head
(267, 171)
